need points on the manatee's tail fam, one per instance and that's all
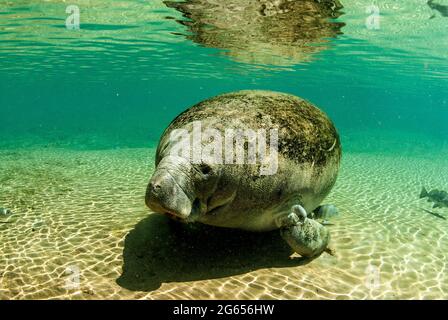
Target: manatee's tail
(423, 193)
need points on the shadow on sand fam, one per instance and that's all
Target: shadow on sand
(159, 250)
(435, 214)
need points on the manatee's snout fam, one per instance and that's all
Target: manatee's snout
(164, 195)
(168, 193)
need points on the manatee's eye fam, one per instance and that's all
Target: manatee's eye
(205, 168)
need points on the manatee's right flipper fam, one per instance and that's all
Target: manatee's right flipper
(305, 236)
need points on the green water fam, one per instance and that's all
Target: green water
(118, 81)
(129, 71)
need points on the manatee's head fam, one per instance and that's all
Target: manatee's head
(182, 190)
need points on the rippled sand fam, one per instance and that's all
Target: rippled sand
(84, 211)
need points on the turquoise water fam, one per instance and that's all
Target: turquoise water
(118, 81)
(123, 81)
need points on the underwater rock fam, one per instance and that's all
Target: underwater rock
(281, 32)
(303, 164)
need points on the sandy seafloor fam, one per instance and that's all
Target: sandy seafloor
(84, 210)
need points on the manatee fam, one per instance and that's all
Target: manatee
(293, 173)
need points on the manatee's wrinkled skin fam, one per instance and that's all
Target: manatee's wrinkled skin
(236, 195)
(275, 32)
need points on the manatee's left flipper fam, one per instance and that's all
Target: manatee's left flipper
(307, 237)
(326, 211)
